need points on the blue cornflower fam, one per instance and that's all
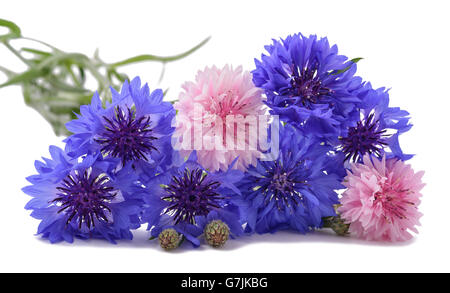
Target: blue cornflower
(187, 197)
(308, 84)
(135, 127)
(82, 198)
(377, 130)
(294, 191)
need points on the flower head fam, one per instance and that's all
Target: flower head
(216, 233)
(381, 199)
(169, 239)
(134, 128)
(85, 199)
(378, 129)
(215, 95)
(187, 197)
(294, 191)
(308, 84)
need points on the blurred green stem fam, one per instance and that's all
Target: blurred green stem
(54, 83)
(14, 51)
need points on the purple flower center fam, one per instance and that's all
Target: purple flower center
(365, 138)
(191, 194)
(307, 86)
(83, 197)
(279, 185)
(127, 137)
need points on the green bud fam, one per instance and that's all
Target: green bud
(169, 239)
(217, 233)
(337, 225)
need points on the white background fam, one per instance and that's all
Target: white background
(405, 45)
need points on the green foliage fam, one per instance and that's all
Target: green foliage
(354, 60)
(14, 30)
(54, 83)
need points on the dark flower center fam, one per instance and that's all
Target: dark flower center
(307, 86)
(126, 137)
(365, 138)
(281, 182)
(83, 197)
(280, 185)
(191, 195)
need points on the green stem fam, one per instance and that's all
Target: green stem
(164, 59)
(72, 75)
(43, 43)
(6, 71)
(15, 52)
(103, 83)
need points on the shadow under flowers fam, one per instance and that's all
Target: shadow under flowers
(141, 240)
(319, 236)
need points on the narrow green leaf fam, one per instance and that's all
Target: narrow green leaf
(148, 57)
(43, 68)
(28, 75)
(61, 85)
(76, 58)
(14, 30)
(54, 83)
(6, 71)
(37, 52)
(354, 61)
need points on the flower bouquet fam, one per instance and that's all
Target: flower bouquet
(300, 143)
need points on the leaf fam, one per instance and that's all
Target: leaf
(76, 58)
(44, 67)
(54, 83)
(56, 107)
(14, 30)
(37, 52)
(28, 75)
(6, 71)
(354, 61)
(63, 86)
(143, 58)
(33, 95)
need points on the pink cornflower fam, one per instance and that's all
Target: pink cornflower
(381, 199)
(203, 108)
